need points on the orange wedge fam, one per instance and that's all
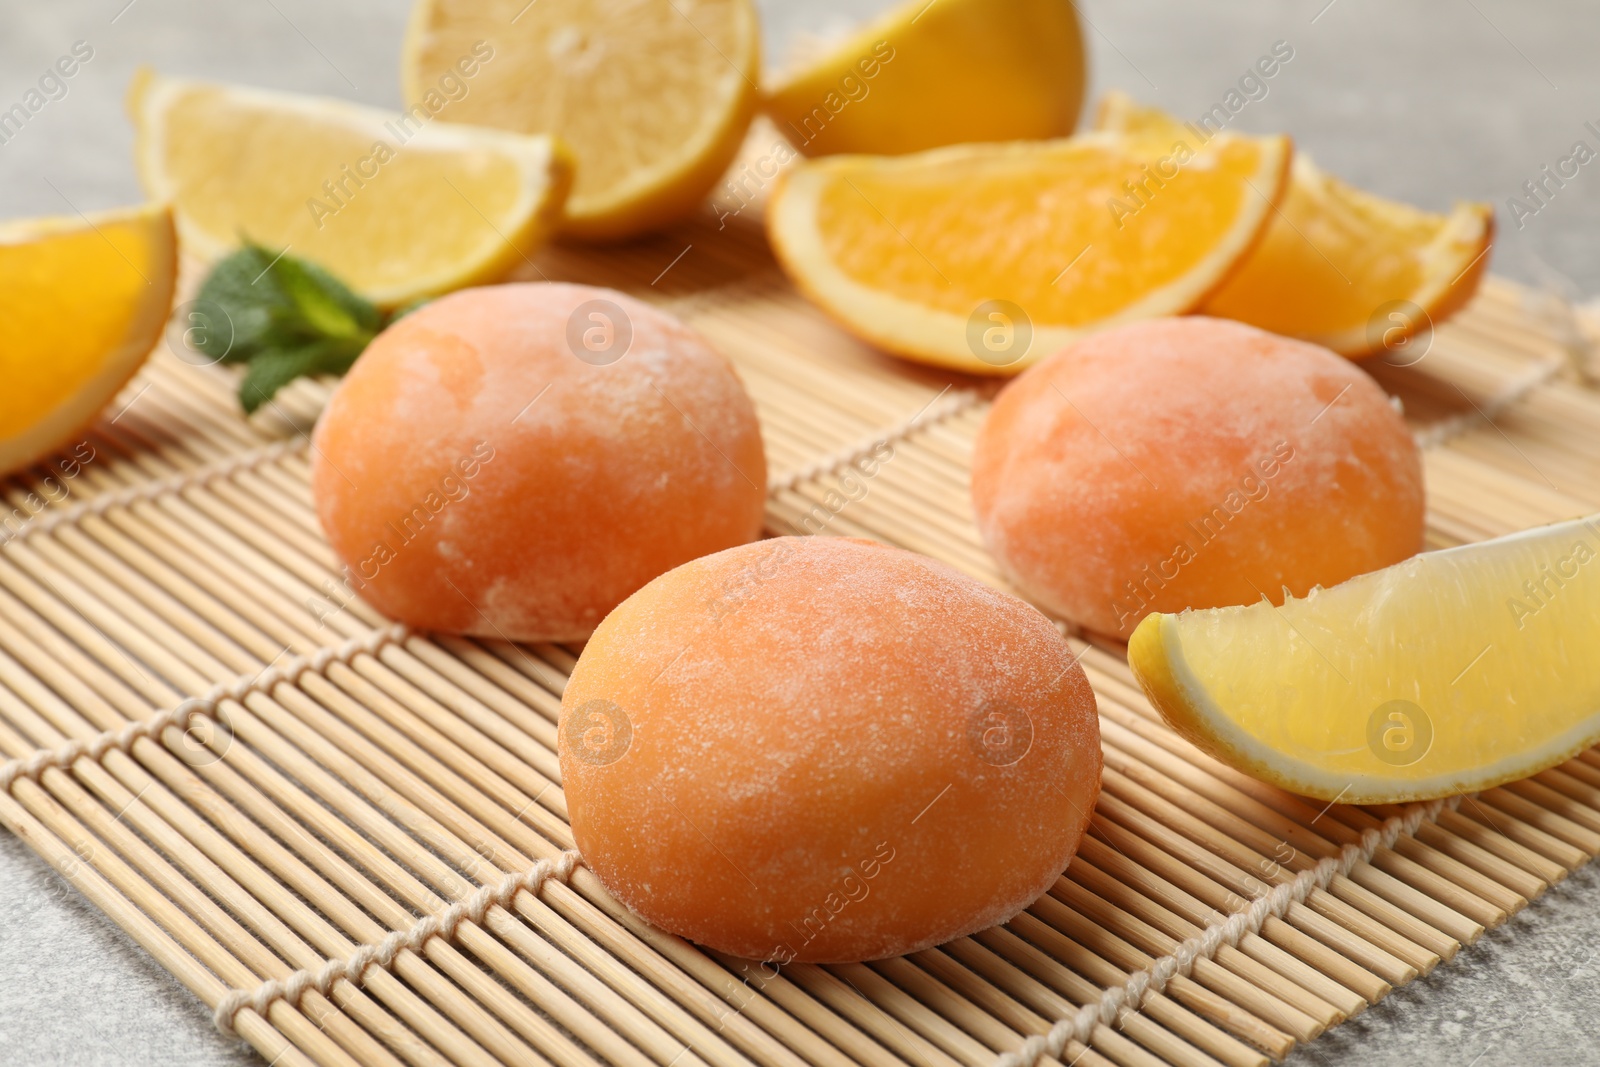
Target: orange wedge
(86, 297)
(1341, 267)
(988, 257)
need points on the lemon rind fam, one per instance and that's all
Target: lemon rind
(1156, 654)
(838, 54)
(1004, 46)
(544, 168)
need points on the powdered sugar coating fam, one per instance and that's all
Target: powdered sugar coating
(476, 476)
(820, 723)
(1192, 462)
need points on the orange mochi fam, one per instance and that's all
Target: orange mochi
(514, 461)
(824, 749)
(1192, 463)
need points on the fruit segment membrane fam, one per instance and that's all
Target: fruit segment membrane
(1450, 672)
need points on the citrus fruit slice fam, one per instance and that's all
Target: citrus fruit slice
(1351, 271)
(86, 298)
(652, 98)
(397, 209)
(926, 75)
(1448, 673)
(989, 257)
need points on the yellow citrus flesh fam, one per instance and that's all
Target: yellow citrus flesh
(85, 302)
(1449, 673)
(396, 210)
(653, 98)
(926, 75)
(913, 252)
(1340, 266)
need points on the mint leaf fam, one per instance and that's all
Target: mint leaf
(323, 302)
(273, 368)
(238, 285)
(290, 318)
(270, 370)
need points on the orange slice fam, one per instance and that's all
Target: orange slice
(86, 297)
(1341, 267)
(988, 257)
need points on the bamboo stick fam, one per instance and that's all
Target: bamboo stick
(78, 848)
(988, 1002)
(383, 789)
(1103, 871)
(1044, 1004)
(1088, 961)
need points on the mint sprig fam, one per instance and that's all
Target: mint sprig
(289, 318)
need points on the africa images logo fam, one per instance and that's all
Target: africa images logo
(1251, 87)
(453, 85)
(49, 87)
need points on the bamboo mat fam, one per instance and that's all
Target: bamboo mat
(342, 781)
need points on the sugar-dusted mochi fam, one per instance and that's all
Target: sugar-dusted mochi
(1192, 463)
(824, 749)
(514, 461)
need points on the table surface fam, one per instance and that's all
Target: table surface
(1428, 102)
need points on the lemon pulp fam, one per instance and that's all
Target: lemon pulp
(1450, 672)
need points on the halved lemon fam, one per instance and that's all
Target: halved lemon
(397, 209)
(987, 258)
(653, 97)
(1339, 266)
(1449, 673)
(931, 74)
(86, 298)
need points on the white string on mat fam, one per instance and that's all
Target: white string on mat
(205, 706)
(922, 420)
(444, 924)
(1515, 390)
(44, 522)
(1112, 1004)
(1130, 997)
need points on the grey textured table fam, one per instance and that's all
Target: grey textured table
(1427, 101)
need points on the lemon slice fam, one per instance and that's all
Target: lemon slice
(989, 257)
(931, 74)
(396, 209)
(653, 98)
(1449, 673)
(85, 301)
(1351, 271)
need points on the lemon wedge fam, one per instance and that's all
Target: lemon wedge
(1339, 266)
(989, 257)
(396, 208)
(926, 75)
(86, 298)
(1449, 673)
(653, 99)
